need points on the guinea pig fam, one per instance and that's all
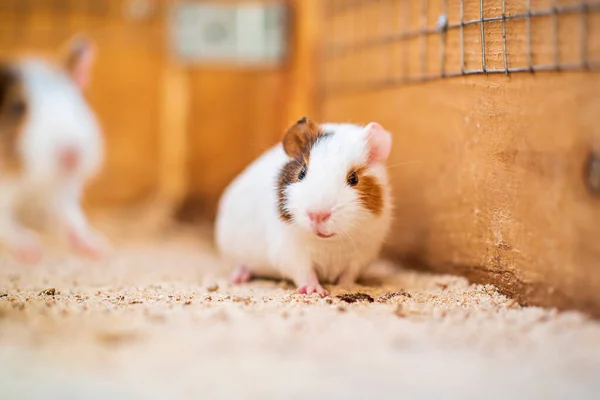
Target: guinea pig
(50, 146)
(314, 209)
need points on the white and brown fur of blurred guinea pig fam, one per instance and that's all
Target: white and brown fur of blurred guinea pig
(50, 146)
(314, 209)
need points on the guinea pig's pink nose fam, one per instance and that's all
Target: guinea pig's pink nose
(319, 216)
(68, 158)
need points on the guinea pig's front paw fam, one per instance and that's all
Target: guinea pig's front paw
(241, 275)
(90, 244)
(310, 289)
(28, 250)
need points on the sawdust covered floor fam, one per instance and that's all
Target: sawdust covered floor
(157, 320)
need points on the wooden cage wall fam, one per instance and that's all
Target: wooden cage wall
(493, 105)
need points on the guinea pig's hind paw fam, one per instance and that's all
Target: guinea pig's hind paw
(91, 246)
(241, 275)
(29, 252)
(310, 289)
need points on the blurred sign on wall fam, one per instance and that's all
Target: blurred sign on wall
(240, 34)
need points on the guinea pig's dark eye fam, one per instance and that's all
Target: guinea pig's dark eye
(16, 108)
(302, 173)
(353, 179)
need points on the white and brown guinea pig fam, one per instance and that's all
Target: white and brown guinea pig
(314, 209)
(50, 146)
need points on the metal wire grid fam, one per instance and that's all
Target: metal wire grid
(333, 50)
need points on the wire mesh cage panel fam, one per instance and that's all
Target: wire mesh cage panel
(370, 43)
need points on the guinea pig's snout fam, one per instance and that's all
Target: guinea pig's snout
(68, 158)
(319, 217)
(318, 220)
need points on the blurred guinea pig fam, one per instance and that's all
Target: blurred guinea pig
(50, 146)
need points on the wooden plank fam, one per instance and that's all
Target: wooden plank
(173, 146)
(488, 179)
(125, 94)
(304, 72)
(234, 117)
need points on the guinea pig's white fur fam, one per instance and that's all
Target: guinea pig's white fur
(251, 234)
(58, 118)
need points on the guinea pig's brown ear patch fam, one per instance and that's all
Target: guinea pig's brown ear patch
(78, 56)
(298, 139)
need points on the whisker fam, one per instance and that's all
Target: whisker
(352, 241)
(403, 164)
(342, 206)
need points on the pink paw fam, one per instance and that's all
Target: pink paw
(29, 252)
(91, 246)
(241, 275)
(310, 289)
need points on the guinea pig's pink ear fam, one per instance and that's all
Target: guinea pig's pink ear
(299, 136)
(78, 56)
(379, 141)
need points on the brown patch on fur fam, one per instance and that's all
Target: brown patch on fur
(297, 143)
(299, 138)
(288, 175)
(13, 113)
(370, 191)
